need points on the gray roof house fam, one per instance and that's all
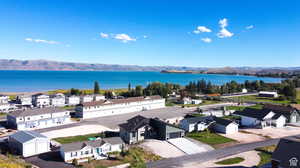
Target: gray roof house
(139, 128)
(95, 149)
(201, 123)
(29, 143)
(38, 118)
(291, 113)
(287, 154)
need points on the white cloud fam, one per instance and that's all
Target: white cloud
(223, 23)
(41, 41)
(224, 33)
(206, 40)
(201, 29)
(145, 36)
(68, 45)
(249, 27)
(104, 35)
(124, 37)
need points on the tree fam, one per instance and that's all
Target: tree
(138, 90)
(129, 86)
(96, 88)
(75, 91)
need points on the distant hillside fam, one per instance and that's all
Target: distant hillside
(12, 64)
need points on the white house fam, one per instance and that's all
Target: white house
(98, 97)
(186, 100)
(38, 118)
(244, 90)
(4, 99)
(118, 106)
(72, 100)
(29, 143)
(24, 100)
(261, 118)
(201, 123)
(267, 94)
(95, 149)
(58, 100)
(86, 98)
(196, 101)
(41, 100)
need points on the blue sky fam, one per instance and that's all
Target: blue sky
(196, 33)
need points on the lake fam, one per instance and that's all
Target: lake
(28, 81)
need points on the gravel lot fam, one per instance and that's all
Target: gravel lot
(244, 137)
(276, 132)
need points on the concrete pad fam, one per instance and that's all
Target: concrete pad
(187, 146)
(161, 148)
(77, 130)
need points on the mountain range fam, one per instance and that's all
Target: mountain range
(13, 64)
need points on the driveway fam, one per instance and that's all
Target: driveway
(48, 160)
(161, 148)
(188, 146)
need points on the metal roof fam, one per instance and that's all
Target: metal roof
(24, 136)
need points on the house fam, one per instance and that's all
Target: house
(291, 113)
(38, 118)
(139, 128)
(5, 106)
(29, 143)
(196, 123)
(95, 149)
(40, 100)
(86, 98)
(24, 100)
(186, 100)
(98, 97)
(268, 94)
(225, 126)
(244, 90)
(58, 100)
(287, 153)
(118, 106)
(196, 101)
(201, 123)
(72, 100)
(261, 118)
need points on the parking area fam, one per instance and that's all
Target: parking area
(188, 146)
(161, 148)
(77, 130)
(276, 132)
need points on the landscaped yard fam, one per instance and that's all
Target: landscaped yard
(209, 138)
(240, 108)
(79, 138)
(265, 154)
(136, 156)
(231, 161)
(262, 99)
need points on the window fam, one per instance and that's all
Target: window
(133, 134)
(86, 152)
(28, 118)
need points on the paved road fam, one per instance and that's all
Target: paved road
(179, 162)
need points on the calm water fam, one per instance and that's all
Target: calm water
(23, 81)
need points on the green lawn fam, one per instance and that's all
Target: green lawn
(65, 140)
(209, 138)
(231, 161)
(262, 99)
(265, 154)
(207, 102)
(241, 108)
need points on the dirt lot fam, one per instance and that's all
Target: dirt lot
(251, 159)
(244, 137)
(161, 148)
(276, 132)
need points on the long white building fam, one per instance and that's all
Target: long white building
(38, 118)
(118, 106)
(72, 100)
(41, 100)
(58, 100)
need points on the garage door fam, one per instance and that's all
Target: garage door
(175, 135)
